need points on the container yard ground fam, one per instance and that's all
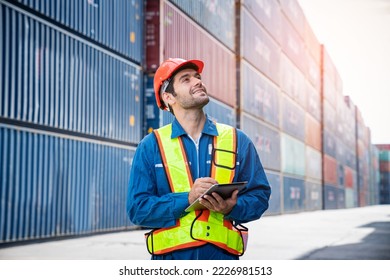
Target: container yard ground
(347, 234)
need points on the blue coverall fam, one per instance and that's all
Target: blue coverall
(150, 202)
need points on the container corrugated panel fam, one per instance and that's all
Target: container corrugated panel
(293, 194)
(340, 175)
(293, 46)
(384, 166)
(313, 195)
(350, 177)
(341, 151)
(313, 102)
(116, 24)
(293, 119)
(329, 117)
(350, 198)
(259, 48)
(53, 186)
(292, 81)
(293, 11)
(313, 74)
(334, 198)
(329, 90)
(384, 155)
(330, 170)
(275, 199)
(313, 163)
(313, 132)
(265, 139)
(329, 143)
(219, 73)
(259, 96)
(313, 46)
(55, 80)
(268, 14)
(218, 18)
(152, 35)
(383, 147)
(332, 76)
(293, 155)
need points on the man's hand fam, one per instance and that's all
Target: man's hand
(199, 187)
(216, 203)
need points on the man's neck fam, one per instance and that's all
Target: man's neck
(192, 122)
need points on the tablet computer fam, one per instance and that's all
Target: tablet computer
(224, 190)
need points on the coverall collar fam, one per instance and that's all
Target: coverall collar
(209, 128)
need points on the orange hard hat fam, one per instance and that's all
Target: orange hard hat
(165, 72)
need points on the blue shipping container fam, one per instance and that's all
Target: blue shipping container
(53, 186)
(117, 24)
(293, 194)
(52, 79)
(259, 96)
(275, 199)
(313, 195)
(265, 139)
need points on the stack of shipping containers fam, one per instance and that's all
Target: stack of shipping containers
(70, 109)
(384, 166)
(199, 30)
(77, 97)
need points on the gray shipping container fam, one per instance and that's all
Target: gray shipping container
(217, 17)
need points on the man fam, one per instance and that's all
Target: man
(176, 164)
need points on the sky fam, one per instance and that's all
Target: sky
(356, 34)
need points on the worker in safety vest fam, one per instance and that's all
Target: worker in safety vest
(177, 163)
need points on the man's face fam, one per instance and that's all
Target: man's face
(189, 89)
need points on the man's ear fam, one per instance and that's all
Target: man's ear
(168, 98)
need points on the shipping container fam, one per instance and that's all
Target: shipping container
(217, 17)
(292, 81)
(350, 198)
(330, 170)
(259, 48)
(293, 194)
(329, 117)
(117, 25)
(55, 80)
(275, 199)
(259, 96)
(313, 163)
(294, 13)
(313, 133)
(184, 38)
(268, 14)
(266, 140)
(313, 196)
(293, 156)
(313, 47)
(332, 82)
(293, 46)
(334, 198)
(313, 102)
(55, 185)
(293, 119)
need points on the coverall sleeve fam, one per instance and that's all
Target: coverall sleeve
(253, 200)
(150, 203)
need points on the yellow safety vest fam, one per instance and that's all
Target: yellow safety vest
(201, 226)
